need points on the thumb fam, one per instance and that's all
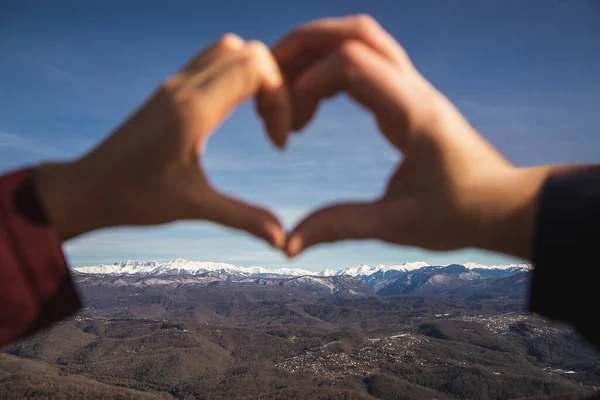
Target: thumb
(228, 211)
(338, 222)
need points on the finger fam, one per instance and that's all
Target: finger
(224, 210)
(227, 43)
(336, 223)
(365, 76)
(275, 107)
(305, 107)
(251, 71)
(315, 39)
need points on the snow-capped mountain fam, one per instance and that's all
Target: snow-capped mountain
(327, 272)
(320, 285)
(185, 267)
(376, 277)
(471, 265)
(380, 276)
(408, 278)
(365, 270)
(443, 279)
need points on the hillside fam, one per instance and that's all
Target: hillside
(272, 339)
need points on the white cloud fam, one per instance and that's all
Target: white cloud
(15, 142)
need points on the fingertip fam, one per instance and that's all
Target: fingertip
(305, 107)
(279, 140)
(277, 132)
(294, 245)
(275, 111)
(282, 139)
(275, 236)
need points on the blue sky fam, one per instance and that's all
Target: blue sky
(527, 74)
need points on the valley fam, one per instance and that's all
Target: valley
(218, 335)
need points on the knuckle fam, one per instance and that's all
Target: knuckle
(258, 53)
(261, 61)
(170, 84)
(351, 54)
(351, 51)
(365, 25)
(230, 41)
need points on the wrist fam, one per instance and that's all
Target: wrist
(506, 221)
(73, 200)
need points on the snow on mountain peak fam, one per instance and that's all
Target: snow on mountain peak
(327, 272)
(411, 266)
(355, 271)
(180, 266)
(366, 270)
(471, 265)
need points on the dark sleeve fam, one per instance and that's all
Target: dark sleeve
(35, 284)
(566, 254)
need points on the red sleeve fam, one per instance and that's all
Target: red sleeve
(35, 284)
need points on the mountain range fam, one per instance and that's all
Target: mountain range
(409, 278)
(186, 267)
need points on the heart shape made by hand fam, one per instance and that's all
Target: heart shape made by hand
(444, 195)
(428, 202)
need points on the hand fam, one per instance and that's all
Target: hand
(452, 188)
(148, 171)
